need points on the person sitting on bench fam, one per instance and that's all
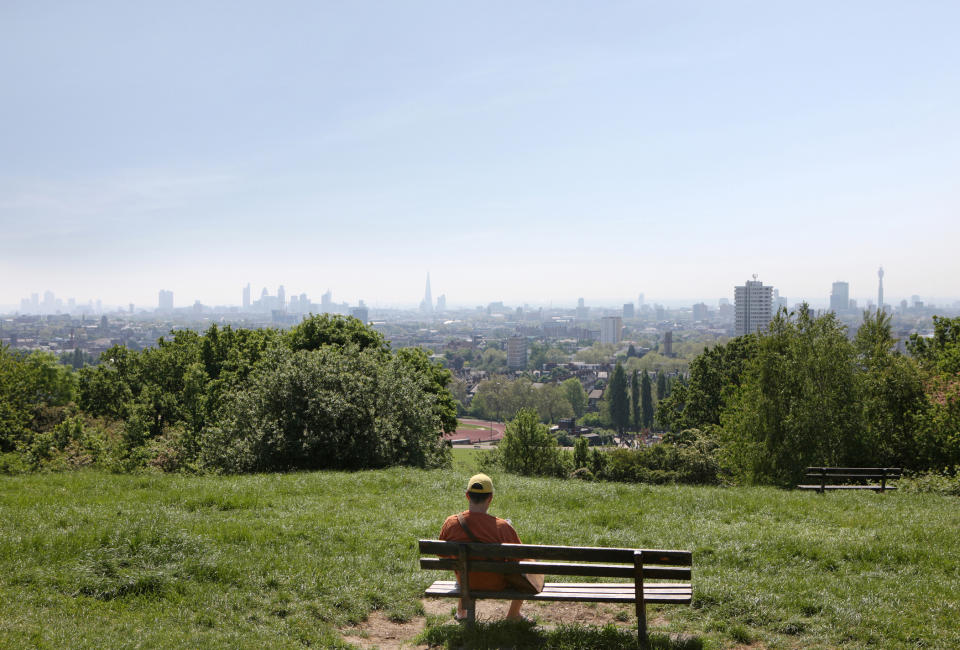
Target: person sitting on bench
(475, 525)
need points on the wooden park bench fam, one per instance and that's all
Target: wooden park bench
(869, 474)
(639, 566)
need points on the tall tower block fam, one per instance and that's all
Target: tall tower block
(427, 305)
(880, 290)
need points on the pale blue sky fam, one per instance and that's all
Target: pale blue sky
(519, 151)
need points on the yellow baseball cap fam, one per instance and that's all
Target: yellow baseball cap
(480, 484)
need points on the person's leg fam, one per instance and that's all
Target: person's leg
(514, 611)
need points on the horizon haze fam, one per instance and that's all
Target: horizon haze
(525, 153)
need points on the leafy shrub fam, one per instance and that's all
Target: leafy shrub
(932, 482)
(326, 408)
(694, 463)
(580, 453)
(527, 448)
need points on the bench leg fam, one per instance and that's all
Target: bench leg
(641, 604)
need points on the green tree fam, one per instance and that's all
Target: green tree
(528, 448)
(619, 400)
(552, 403)
(316, 331)
(436, 382)
(646, 401)
(661, 385)
(581, 453)
(492, 399)
(891, 395)
(635, 405)
(577, 397)
(942, 351)
(493, 360)
(797, 403)
(30, 384)
(544, 353)
(596, 353)
(939, 360)
(333, 407)
(670, 410)
(714, 377)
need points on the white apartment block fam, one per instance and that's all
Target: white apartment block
(517, 352)
(611, 329)
(753, 305)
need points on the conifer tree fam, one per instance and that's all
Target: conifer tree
(619, 400)
(646, 401)
(635, 401)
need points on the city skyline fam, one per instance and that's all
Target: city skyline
(300, 301)
(523, 153)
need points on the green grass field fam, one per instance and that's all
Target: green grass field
(96, 560)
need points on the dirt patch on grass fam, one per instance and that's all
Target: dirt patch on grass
(378, 631)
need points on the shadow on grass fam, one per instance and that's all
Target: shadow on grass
(521, 634)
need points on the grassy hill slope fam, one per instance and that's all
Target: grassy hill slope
(96, 560)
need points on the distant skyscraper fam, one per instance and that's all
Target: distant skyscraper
(427, 305)
(628, 311)
(517, 352)
(840, 297)
(583, 311)
(778, 301)
(165, 302)
(668, 343)
(753, 305)
(640, 301)
(326, 301)
(361, 313)
(246, 297)
(700, 311)
(441, 302)
(281, 297)
(611, 329)
(880, 289)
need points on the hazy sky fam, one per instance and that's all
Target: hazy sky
(519, 151)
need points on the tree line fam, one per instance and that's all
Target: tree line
(761, 408)
(328, 393)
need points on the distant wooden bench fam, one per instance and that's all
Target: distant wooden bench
(637, 565)
(871, 474)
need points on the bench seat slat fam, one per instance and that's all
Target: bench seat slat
(559, 569)
(567, 553)
(610, 593)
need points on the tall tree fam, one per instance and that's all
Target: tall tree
(891, 396)
(527, 447)
(797, 403)
(552, 403)
(619, 400)
(636, 408)
(577, 397)
(646, 400)
(661, 385)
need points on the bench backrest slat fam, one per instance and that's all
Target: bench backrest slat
(565, 553)
(561, 569)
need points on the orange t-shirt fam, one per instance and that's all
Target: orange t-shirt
(487, 529)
